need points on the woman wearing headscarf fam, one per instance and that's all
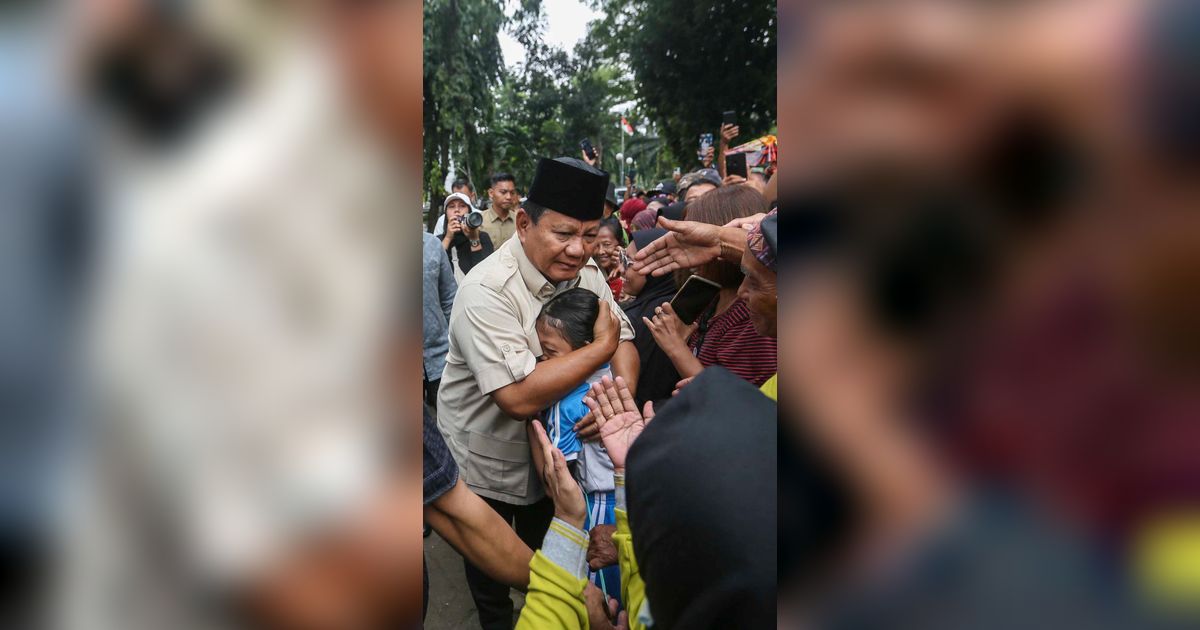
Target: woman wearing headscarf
(658, 375)
(629, 209)
(725, 332)
(643, 220)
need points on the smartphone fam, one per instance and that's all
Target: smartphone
(706, 141)
(729, 118)
(693, 297)
(735, 164)
(588, 149)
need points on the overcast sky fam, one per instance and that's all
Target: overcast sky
(566, 25)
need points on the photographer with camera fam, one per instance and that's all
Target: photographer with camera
(464, 242)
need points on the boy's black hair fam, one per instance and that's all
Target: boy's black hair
(573, 313)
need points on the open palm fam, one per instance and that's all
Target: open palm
(688, 244)
(618, 418)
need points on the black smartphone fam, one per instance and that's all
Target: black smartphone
(693, 297)
(729, 118)
(588, 149)
(735, 164)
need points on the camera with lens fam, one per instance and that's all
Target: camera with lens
(474, 219)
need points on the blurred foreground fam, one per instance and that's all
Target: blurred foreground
(990, 361)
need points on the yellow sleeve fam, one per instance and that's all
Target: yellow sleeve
(554, 600)
(633, 590)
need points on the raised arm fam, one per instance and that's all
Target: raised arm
(552, 379)
(690, 244)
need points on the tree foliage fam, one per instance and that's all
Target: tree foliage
(691, 60)
(462, 66)
(670, 66)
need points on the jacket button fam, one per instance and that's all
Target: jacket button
(507, 348)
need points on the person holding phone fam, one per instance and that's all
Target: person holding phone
(465, 245)
(725, 333)
(658, 376)
(729, 131)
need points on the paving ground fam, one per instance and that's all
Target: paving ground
(450, 604)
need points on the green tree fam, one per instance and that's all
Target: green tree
(462, 66)
(692, 60)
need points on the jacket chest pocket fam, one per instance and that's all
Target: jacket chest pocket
(497, 464)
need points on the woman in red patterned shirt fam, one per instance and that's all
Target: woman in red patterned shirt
(724, 334)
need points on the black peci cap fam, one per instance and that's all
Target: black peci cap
(569, 186)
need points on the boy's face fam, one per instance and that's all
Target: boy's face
(552, 340)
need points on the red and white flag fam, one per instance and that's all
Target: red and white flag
(628, 128)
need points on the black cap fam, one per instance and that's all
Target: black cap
(569, 186)
(667, 186)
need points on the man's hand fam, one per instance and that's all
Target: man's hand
(587, 429)
(747, 223)
(569, 504)
(707, 159)
(607, 329)
(620, 423)
(681, 384)
(602, 551)
(588, 160)
(687, 244)
(602, 609)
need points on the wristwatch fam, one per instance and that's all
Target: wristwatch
(475, 243)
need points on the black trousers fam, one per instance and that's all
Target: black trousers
(491, 597)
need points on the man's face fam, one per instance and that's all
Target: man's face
(758, 289)
(456, 209)
(696, 191)
(557, 245)
(504, 196)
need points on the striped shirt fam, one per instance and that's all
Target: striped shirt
(731, 342)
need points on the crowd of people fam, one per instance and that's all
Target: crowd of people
(546, 357)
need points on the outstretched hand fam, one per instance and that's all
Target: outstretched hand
(616, 413)
(569, 504)
(687, 244)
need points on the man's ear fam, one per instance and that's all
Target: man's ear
(524, 223)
